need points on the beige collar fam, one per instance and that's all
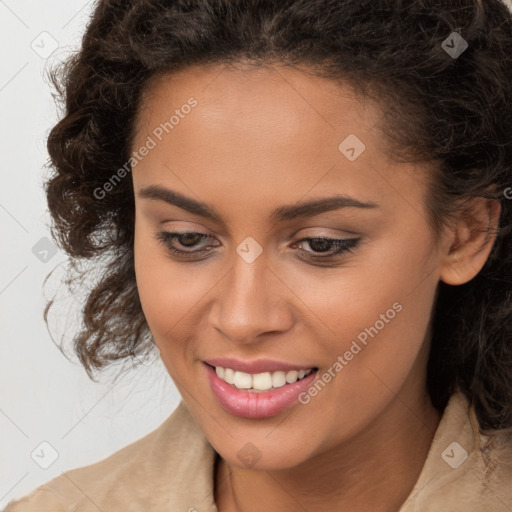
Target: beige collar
(173, 467)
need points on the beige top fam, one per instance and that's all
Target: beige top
(171, 469)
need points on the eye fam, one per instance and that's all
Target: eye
(332, 246)
(186, 239)
(320, 245)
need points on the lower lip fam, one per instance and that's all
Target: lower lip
(256, 405)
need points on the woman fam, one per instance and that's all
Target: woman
(307, 205)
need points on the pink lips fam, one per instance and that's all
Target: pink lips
(256, 405)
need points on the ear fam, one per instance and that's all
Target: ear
(470, 241)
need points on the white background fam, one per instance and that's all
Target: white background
(43, 396)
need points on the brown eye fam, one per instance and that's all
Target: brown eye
(186, 239)
(189, 239)
(334, 246)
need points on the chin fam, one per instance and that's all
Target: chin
(273, 457)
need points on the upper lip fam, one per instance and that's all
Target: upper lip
(258, 366)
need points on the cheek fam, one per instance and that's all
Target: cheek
(171, 294)
(164, 292)
(352, 296)
(373, 312)
(379, 354)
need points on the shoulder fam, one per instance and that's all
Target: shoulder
(149, 471)
(464, 472)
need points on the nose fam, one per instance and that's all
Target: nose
(250, 302)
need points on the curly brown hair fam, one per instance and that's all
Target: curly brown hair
(454, 112)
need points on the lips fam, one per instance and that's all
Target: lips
(256, 405)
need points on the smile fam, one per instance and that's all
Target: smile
(260, 381)
(258, 395)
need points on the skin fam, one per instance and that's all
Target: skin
(259, 139)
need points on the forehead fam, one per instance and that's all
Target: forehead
(255, 104)
(259, 132)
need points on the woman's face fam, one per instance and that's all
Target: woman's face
(256, 148)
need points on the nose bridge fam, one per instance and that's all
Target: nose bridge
(249, 302)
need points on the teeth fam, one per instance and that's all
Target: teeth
(260, 381)
(292, 376)
(243, 380)
(229, 375)
(278, 379)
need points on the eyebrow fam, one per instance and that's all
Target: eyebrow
(283, 213)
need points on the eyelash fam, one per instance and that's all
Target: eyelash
(343, 245)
